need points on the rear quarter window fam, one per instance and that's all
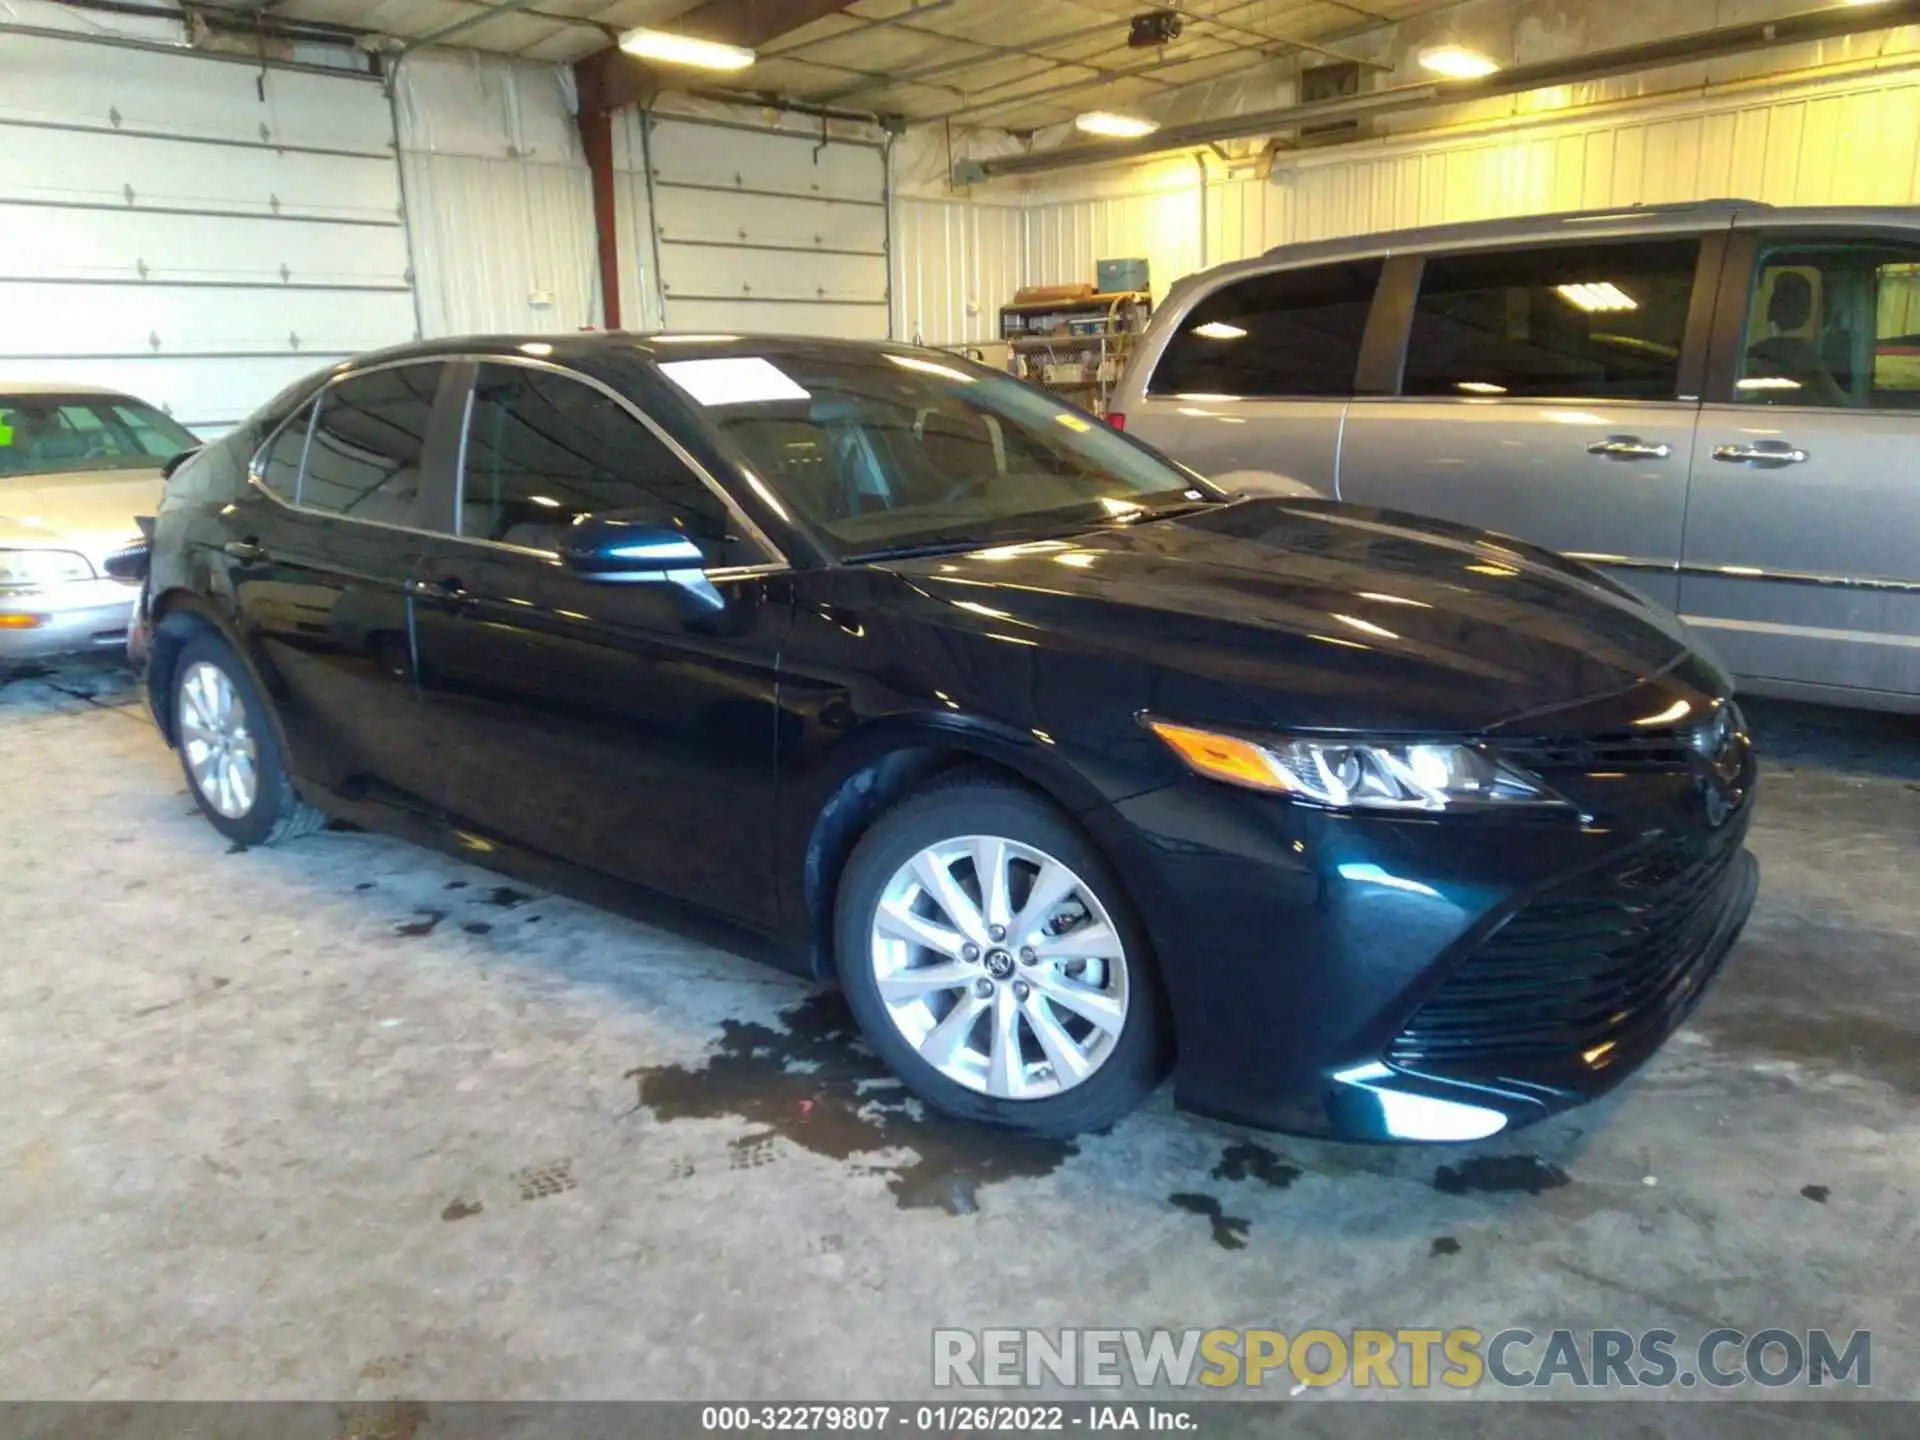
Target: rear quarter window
(1288, 333)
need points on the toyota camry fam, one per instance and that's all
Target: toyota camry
(1070, 769)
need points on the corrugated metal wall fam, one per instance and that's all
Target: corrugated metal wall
(1834, 141)
(954, 265)
(498, 197)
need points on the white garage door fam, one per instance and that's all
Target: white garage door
(760, 231)
(196, 231)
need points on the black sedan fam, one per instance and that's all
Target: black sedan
(1068, 768)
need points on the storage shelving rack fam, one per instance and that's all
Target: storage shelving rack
(1077, 347)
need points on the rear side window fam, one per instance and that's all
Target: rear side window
(1291, 333)
(279, 464)
(1597, 322)
(363, 460)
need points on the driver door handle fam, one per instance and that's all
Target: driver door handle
(446, 591)
(1629, 447)
(248, 550)
(1768, 454)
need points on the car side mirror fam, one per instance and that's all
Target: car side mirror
(614, 547)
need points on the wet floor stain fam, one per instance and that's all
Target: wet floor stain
(1499, 1175)
(812, 1083)
(1255, 1162)
(1229, 1231)
(461, 1210)
(364, 885)
(477, 927)
(505, 896)
(1444, 1245)
(456, 884)
(1816, 1193)
(424, 925)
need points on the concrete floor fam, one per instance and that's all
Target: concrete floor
(347, 1119)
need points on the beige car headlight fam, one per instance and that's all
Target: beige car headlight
(32, 569)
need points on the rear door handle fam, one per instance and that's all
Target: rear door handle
(1767, 454)
(446, 590)
(1629, 447)
(248, 550)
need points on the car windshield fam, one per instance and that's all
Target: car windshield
(53, 434)
(884, 452)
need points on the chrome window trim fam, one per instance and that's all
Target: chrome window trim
(777, 564)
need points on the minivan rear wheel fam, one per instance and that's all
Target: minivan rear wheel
(229, 750)
(994, 964)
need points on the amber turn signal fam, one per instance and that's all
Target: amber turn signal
(1221, 757)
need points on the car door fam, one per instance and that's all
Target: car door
(628, 728)
(1253, 380)
(1547, 391)
(322, 544)
(1801, 560)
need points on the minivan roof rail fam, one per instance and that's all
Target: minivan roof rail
(1561, 217)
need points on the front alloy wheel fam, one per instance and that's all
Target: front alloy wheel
(1000, 966)
(994, 962)
(216, 742)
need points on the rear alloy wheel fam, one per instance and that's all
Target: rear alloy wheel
(995, 965)
(229, 750)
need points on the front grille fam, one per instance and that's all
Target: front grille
(1601, 959)
(1636, 751)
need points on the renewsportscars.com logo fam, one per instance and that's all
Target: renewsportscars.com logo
(1412, 1359)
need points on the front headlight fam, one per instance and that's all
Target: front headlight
(30, 569)
(1357, 775)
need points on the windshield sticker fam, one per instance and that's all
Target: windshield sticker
(749, 380)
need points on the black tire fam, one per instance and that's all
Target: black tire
(1140, 1056)
(277, 813)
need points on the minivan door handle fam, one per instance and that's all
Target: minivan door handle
(1629, 447)
(1767, 454)
(446, 592)
(248, 550)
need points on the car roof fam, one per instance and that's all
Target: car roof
(14, 389)
(601, 349)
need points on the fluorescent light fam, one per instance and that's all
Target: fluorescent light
(688, 339)
(1767, 382)
(1456, 62)
(748, 380)
(1593, 295)
(1220, 330)
(1480, 387)
(668, 48)
(1110, 126)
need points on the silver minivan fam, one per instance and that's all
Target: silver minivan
(1718, 402)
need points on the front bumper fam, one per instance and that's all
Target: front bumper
(64, 619)
(1383, 978)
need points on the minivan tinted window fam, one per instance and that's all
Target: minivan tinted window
(1601, 321)
(1834, 324)
(1294, 332)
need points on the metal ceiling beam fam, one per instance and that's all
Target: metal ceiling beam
(865, 26)
(1272, 37)
(1805, 28)
(977, 106)
(970, 62)
(463, 25)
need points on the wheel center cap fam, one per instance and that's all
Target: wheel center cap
(999, 964)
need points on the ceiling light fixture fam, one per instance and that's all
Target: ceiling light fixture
(1109, 126)
(1596, 295)
(1220, 330)
(1456, 62)
(667, 48)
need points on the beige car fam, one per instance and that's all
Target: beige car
(77, 466)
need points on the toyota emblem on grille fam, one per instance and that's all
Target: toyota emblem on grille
(1719, 747)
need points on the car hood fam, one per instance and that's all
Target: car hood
(91, 511)
(1323, 615)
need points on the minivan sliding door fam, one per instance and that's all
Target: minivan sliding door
(1550, 392)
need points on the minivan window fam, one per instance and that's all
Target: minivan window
(1289, 333)
(364, 458)
(1834, 325)
(543, 450)
(1600, 321)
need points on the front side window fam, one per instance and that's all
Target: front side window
(1589, 322)
(55, 434)
(882, 451)
(1833, 325)
(278, 465)
(1292, 333)
(363, 457)
(543, 450)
